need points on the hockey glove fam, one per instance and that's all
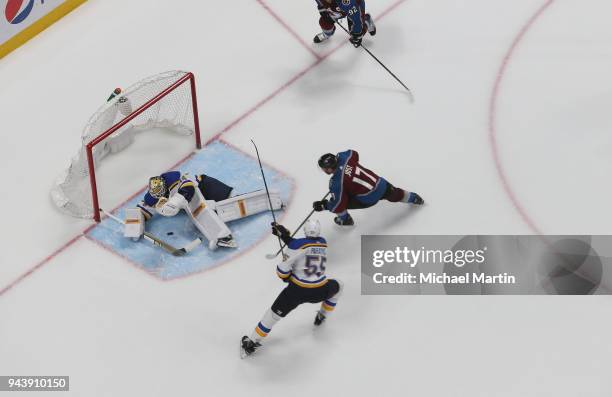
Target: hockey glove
(356, 40)
(280, 231)
(333, 15)
(320, 205)
(172, 206)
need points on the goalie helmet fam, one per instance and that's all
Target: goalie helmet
(328, 160)
(157, 187)
(312, 228)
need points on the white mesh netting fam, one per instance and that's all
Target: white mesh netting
(72, 191)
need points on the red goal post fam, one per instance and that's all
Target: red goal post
(166, 100)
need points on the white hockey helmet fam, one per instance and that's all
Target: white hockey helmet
(312, 228)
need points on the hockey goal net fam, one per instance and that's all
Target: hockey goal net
(166, 100)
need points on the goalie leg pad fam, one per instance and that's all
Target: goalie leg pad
(134, 223)
(206, 220)
(210, 225)
(247, 204)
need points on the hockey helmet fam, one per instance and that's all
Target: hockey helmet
(157, 187)
(328, 160)
(312, 228)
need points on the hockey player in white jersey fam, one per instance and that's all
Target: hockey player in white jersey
(304, 272)
(204, 199)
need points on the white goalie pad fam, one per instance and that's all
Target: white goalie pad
(206, 220)
(247, 204)
(134, 223)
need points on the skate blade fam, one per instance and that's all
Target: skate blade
(227, 244)
(243, 353)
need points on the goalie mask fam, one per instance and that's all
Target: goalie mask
(157, 187)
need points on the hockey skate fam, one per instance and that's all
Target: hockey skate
(345, 220)
(247, 346)
(370, 24)
(323, 36)
(227, 242)
(319, 318)
(417, 200)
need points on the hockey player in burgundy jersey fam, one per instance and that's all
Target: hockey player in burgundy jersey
(359, 21)
(353, 186)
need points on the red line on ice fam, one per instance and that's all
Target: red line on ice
(493, 116)
(249, 112)
(289, 29)
(40, 264)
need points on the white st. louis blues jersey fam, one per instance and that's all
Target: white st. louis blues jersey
(306, 264)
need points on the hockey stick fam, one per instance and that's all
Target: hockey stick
(160, 243)
(272, 256)
(381, 64)
(268, 193)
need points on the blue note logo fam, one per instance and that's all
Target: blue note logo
(17, 11)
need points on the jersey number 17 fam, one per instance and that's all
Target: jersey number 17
(361, 176)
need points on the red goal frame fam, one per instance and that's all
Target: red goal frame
(189, 77)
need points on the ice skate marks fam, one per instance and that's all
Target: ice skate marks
(221, 161)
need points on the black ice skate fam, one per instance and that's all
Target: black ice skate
(418, 200)
(227, 242)
(319, 318)
(247, 346)
(370, 24)
(346, 220)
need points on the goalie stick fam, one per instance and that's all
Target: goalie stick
(158, 242)
(272, 256)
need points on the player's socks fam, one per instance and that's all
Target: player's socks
(327, 306)
(324, 35)
(264, 327)
(370, 24)
(344, 219)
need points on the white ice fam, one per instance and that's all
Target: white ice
(118, 332)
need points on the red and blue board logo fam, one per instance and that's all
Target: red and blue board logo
(17, 11)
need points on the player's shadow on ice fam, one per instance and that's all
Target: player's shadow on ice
(281, 355)
(376, 220)
(335, 76)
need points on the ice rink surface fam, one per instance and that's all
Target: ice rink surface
(509, 134)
